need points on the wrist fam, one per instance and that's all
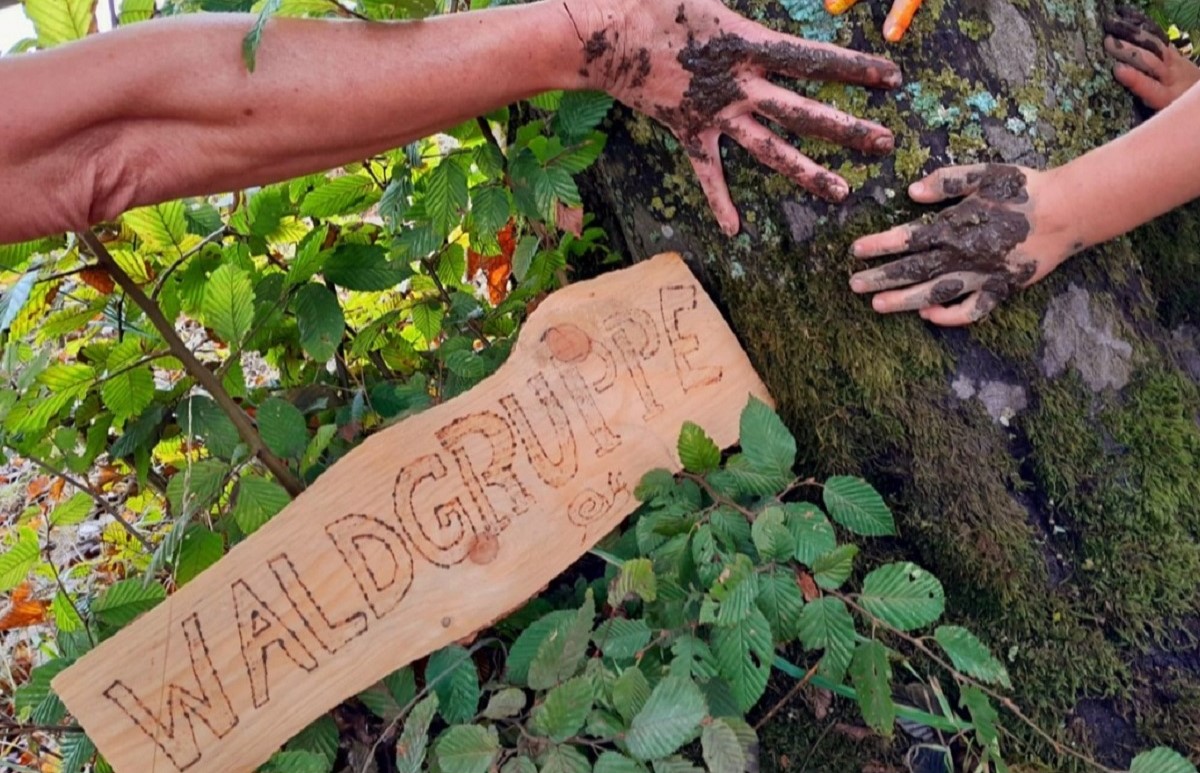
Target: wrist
(583, 25)
(1061, 216)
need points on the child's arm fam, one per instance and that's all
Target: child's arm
(1016, 225)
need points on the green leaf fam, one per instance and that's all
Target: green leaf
(414, 739)
(388, 697)
(134, 11)
(508, 702)
(74, 511)
(631, 690)
(771, 536)
(77, 750)
(66, 617)
(984, 717)
(228, 304)
(670, 718)
(60, 21)
(635, 578)
(621, 638)
(320, 319)
(38, 698)
(971, 656)
(525, 648)
(161, 227)
(1186, 14)
(455, 681)
(834, 568)
(1161, 760)
(253, 38)
(767, 445)
(446, 195)
(854, 504)
(743, 654)
(282, 427)
(826, 624)
(199, 550)
(258, 500)
(903, 595)
(615, 762)
(519, 764)
(780, 601)
(563, 758)
(579, 112)
(296, 762)
(466, 749)
(200, 417)
(811, 530)
(321, 737)
(697, 450)
(564, 709)
(722, 750)
(196, 486)
(427, 317)
(17, 562)
(491, 208)
(125, 600)
(871, 675)
(559, 657)
(362, 267)
(130, 391)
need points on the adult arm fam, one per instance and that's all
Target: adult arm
(166, 108)
(1016, 225)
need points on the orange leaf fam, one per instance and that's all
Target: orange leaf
(23, 611)
(99, 279)
(38, 486)
(56, 488)
(808, 586)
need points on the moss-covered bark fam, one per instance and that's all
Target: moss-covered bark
(1046, 462)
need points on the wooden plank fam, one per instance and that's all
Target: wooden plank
(424, 534)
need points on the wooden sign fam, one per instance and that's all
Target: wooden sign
(424, 534)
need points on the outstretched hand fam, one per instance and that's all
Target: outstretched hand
(1146, 62)
(1006, 234)
(702, 70)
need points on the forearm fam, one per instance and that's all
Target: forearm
(168, 109)
(1135, 178)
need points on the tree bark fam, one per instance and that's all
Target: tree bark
(1043, 463)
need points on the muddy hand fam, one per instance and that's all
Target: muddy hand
(973, 255)
(702, 70)
(1147, 64)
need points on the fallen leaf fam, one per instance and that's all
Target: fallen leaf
(808, 586)
(98, 279)
(570, 219)
(23, 611)
(56, 488)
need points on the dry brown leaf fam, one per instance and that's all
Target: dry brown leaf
(98, 279)
(23, 611)
(570, 219)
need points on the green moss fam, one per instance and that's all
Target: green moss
(976, 29)
(910, 162)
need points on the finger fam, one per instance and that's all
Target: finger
(811, 60)
(949, 182)
(889, 242)
(809, 118)
(1134, 56)
(935, 292)
(1135, 16)
(977, 306)
(1145, 88)
(1135, 35)
(772, 151)
(706, 161)
(898, 19)
(901, 273)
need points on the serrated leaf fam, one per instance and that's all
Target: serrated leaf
(780, 601)
(446, 195)
(391, 695)
(508, 702)
(196, 486)
(17, 561)
(621, 638)
(984, 717)
(60, 21)
(564, 709)
(258, 500)
(320, 319)
(455, 681)
(560, 656)
(826, 624)
(615, 762)
(414, 739)
(199, 550)
(200, 417)
(834, 568)
(363, 267)
(635, 579)
(77, 750)
(66, 616)
(871, 675)
(854, 504)
(630, 692)
(282, 427)
(320, 737)
(526, 647)
(228, 303)
(772, 538)
(134, 11)
(466, 749)
(427, 318)
(811, 530)
(296, 762)
(128, 392)
(767, 445)
(743, 654)
(670, 718)
(721, 748)
(564, 758)
(1161, 760)
(490, 208)
(74, 511)
(903, 595)
(579, 112)
(37, 697)
(161, 227)
(971, 656)
(697, 450)
(125, 600)
(253, 38)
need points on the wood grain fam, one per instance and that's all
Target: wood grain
(424, 534)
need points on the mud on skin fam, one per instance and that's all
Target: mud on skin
(1133, 26)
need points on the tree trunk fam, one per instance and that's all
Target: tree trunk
(1043, 463)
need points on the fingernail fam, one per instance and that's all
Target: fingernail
(878, 304)
(729, 229)
(915, 190)
(857, 285)
(893, 79)
(885, 144)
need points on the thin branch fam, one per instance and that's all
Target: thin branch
(96, 497)
(162, 278)
(486, 128)
(195, 368)
(12, 729)
(719, 498)
(796, 688)
(445, 294)
(63, 274)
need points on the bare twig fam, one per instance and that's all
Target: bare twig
(796, 688)
(196, 369)
(11, 728)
